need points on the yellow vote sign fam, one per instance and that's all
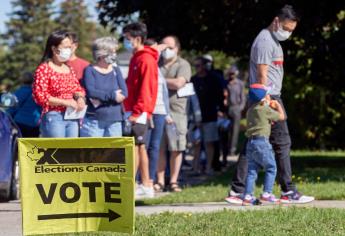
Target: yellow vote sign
(77, 185)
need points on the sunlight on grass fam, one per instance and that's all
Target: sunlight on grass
(320, 174)
(280, 221)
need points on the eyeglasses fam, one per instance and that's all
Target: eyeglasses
(197, 65)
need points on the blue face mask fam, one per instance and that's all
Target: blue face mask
(127, 45)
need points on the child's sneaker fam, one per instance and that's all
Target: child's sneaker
(250, 201)
(268, 198)
(234, 198)
(295, 197)
(144, 192)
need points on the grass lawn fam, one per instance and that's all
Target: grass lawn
(320, 174)
(281, 221)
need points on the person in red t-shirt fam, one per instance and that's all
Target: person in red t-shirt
(76, 63)
(142, 84)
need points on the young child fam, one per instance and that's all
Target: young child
(262, 112)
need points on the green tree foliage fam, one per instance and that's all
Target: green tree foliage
(29, 25)
(74, 16)
(313, 58)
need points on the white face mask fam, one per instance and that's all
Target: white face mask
(168, 54)
(281, 34)
(65, 54)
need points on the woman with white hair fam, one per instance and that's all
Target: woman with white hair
(105, 92)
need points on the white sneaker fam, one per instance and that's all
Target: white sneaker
(295, 197)
(234, 198)
(144, 192)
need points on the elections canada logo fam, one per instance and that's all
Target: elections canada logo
(57, 160)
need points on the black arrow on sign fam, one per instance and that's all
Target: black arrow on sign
(111, 215)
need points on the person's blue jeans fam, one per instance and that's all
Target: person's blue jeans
(92, 127)
(259, 154)
(154, 138)
(54, 125)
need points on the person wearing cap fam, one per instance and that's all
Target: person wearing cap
(259, 152)
(222, 133)
(210, 95)
(211, 69)
(235, 102)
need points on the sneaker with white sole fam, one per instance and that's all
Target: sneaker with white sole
(234, 198)
(250, 201)
(295, 197)
(144, 192)
(268, 198)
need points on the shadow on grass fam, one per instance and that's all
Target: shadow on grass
(314, 168)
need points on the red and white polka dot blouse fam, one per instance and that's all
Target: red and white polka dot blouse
(49, 83)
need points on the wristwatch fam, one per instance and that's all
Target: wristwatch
(77, 96)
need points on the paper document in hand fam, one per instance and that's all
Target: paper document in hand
(142, 119)
(186, 90)
(71, 114)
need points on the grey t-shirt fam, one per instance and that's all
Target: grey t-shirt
(180, 68)
(267, 50)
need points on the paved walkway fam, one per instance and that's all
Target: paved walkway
(219, 206)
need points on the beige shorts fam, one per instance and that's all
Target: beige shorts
(181, 142)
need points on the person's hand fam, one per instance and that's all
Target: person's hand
(132, 119)
(274, 104)
(220, 114)
(169, 120)
(160, 47)
(71, 103)
(81, 103)
(119, 96)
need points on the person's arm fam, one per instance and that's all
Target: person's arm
(277, 107)
(194, 102)
(243, 96)
(122, 83)
(262, 71)
(165, 96)
(262, 57)
(41, 93)
(220, 95)
(89, 82)
(53, 101)
(184, 73)
(177, 83)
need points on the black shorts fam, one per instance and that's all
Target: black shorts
(139, 132)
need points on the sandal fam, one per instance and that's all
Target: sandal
(174, 187)
(158, 187)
